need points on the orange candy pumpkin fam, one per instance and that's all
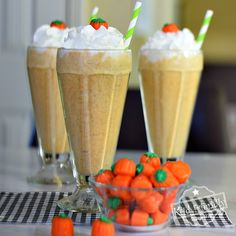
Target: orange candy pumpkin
(170, 28)
(163, 177)
(145, 169)
(96, 23)
(121, 181)
(103, 226)
(151, 203)
(125, 166)
(151, 158)
(169, 199)
(58, 24)
(181, 170)
(159, 217)
(104, 176)
(140, 181)
(62, 225)
(140, 218)
(122, 216)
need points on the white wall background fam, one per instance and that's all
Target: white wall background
(18, 21)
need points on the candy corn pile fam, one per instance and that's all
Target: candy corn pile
(142, 194)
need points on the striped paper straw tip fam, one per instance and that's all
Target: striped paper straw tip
(205, 25)
(94, 13)
(208, 17)
(132, 25)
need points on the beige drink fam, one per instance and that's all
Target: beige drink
(46, 100)
(50, 124)
(93, 85)
(169, 87)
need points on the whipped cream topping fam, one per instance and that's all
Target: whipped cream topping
(171, 44)
(86, 37)
(46, 36)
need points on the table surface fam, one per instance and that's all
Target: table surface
(215, 171)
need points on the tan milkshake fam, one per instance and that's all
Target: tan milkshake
(169, 83)
(46, 100)
(49, 118)
(94, 86)
(93, 72)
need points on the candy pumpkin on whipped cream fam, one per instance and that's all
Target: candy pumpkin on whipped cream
(58, 24)
(97, 23)
(170, 28)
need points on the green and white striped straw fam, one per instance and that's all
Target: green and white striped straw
(94, 13)
(203, 31)
(132, 24)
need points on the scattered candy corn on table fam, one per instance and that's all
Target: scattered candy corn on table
(216, 171)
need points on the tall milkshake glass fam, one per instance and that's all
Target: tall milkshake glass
(93, 86)
(169, 80)
(53, 142)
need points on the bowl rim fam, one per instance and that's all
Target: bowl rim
(155, 189)
(144, 229)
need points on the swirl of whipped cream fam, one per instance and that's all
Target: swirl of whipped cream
(46, 36)
(86, 37)
(170, 45)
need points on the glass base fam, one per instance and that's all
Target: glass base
(165, 159)
(82, 200)
(191, 182)
(56, 173)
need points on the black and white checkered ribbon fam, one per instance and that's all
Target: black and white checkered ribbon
(36, 208)
(208, 218)
(40, 207)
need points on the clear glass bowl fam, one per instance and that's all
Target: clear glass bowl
(137, 209)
